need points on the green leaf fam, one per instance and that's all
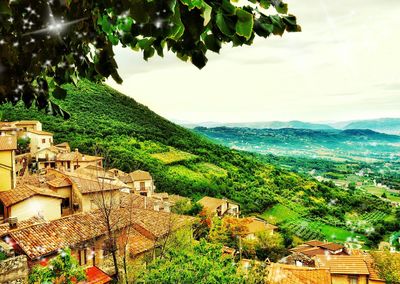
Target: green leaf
(148, 52)
(207, 13)
(265, 4)
(59, 93)
(212, 43)
(193, 4)
(199, 59)
(282, 8)
(5, 7)
(225, 25)
(228, 8)
(244, 25)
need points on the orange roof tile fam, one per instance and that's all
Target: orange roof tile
(139, 244)
(211, 203)
(332, 246)
(23, 192)
(46, 238)
(290, 274)
(60, 182)
(343, 264)
(140, 175)
(5, 228)
(314, 243)
(38, 132)
(255, 225)
(8, 143)
(95, 275)
(87, 184)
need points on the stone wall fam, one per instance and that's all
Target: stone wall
(14, 270)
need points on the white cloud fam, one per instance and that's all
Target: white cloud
(344, 65)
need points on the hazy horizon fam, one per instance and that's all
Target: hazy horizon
(340, 67)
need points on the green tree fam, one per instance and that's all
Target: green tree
(23, 144)
(202, 264)
(45, 45)
(62, 269)
(388, 265)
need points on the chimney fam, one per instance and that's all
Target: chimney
(76, 150)
(13, 222)
(156, 206)
(167, 207)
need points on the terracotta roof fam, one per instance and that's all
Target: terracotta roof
(38, 132)
(314, 243)
(77, 156)
(343, 264)
(255, 225)
(87, 184)
(211, 203)
(95, 275)
(60, 182)
(5, 228)
(30, 180)
(313, 251)
(8, 143)
(138, 243)
(23, 192)
(62, 145)
(140, 175)
(373, 272)
(291, 274)
(31, 122)
(53, 149)
(46, 238)
(332, 246)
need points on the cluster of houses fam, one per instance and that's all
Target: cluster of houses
(324, 262)
(61, 204)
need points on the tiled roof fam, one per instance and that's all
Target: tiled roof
(8, 143)
(23, 192)
(314, 243)
(5, 228)
(313, 251)
(312, 248)
(30, 180)
(87, 184)
(46, 238)
(38, 132)
(31, 122)
(255, 225)
(62, 145)
(76, 156)
(373, 272)
(290, 274)
(138, 243)
(211, 203)
(343, 264)
(140, 175)
(60, 182)
(331, 246)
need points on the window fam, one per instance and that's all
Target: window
(43, 140)
(353, 279)
(142, 185)
(65, 203)
(82, 257)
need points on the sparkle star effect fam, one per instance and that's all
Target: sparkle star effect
(54, 26)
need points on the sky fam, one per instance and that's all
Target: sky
(344, 65)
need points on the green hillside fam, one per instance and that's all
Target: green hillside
(182, 161)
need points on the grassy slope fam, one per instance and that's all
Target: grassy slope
(131, 134)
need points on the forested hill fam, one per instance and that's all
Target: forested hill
(181, 161)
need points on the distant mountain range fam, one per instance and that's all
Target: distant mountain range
(348, 144)
(383, 125)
